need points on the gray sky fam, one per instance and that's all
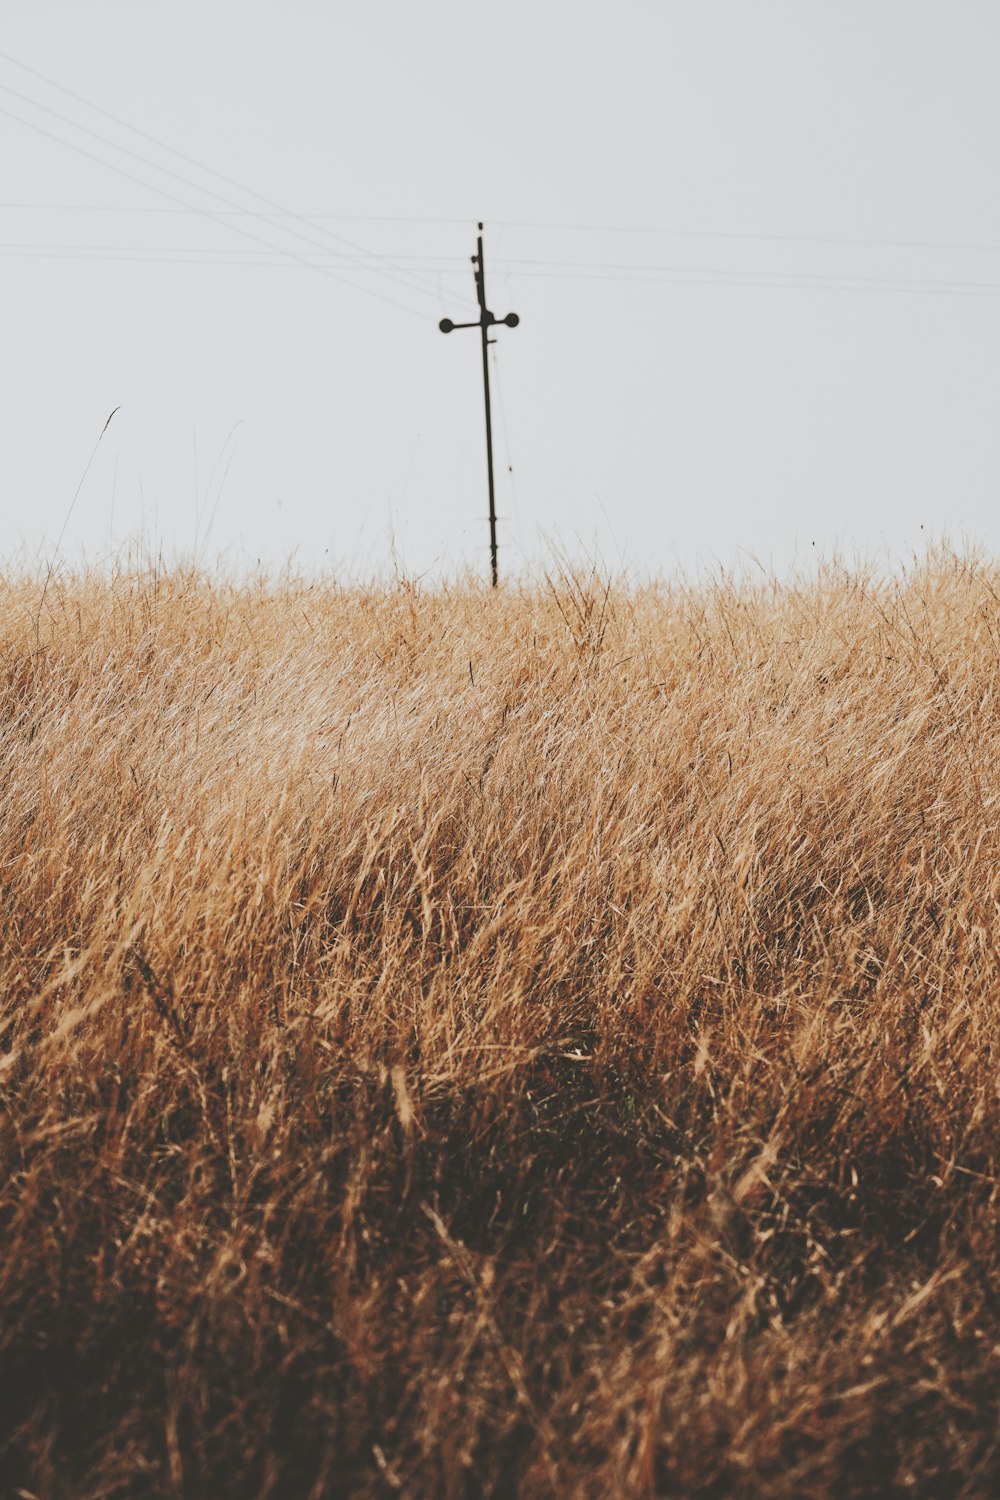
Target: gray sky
(781, 328)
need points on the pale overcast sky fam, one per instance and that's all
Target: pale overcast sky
(754, 246)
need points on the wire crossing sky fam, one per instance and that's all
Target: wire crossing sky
(755, 248)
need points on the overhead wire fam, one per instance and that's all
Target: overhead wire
(826, 280)
(335, 257)
(131, 208)
(181, 155)
(739, 234)
(176, 176)
(645, 267)
(567, 270)
(204, 212)
(407, 276)
(791, 282)
(660, 276)
(331, 262)
(314, 217)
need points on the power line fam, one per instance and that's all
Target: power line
(645, 268)
(323, 256)
(740, 234)
(793, 281)
(666, 276)
(543, 269)
(651, 274)
(205, 212)
(312, 217)
(173, 151)
(553, 269)
(132, 208)
(169, 172)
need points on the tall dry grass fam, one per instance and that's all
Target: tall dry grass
(538, 1044)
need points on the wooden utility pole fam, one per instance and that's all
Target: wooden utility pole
(485, 322)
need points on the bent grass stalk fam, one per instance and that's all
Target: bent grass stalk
(542, 1042)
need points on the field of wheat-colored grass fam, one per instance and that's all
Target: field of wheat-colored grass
(539, 1043)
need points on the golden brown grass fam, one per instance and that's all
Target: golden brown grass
(533, 1044)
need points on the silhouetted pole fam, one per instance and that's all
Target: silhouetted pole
(483, 326)
(485, 322)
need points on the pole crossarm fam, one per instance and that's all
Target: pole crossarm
(484, 323)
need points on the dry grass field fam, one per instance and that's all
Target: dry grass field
(537, 1044)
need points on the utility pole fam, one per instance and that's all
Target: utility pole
(485, 322)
